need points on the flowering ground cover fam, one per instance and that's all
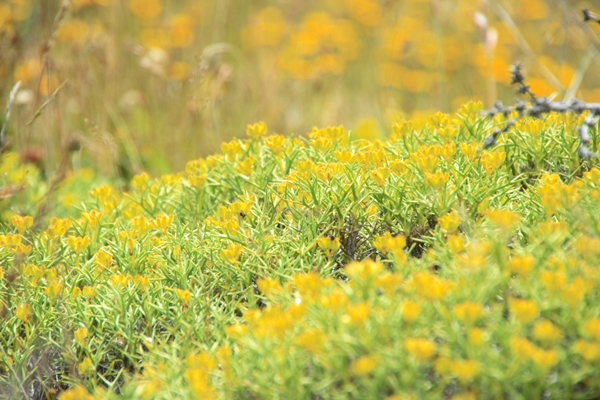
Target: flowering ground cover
(327, 266)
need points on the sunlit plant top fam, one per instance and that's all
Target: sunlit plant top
(323, 266)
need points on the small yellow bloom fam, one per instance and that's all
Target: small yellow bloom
(476, 336)
(450, 222)
(22, 223)
(592, 328)
(546, 332)
(85, 366)
(80, 335)
(256, 131)
(521, 265)
(329, 244)
(145, 9)
(269, 286)
(184, 296)
(232, 253)
(465, 370)
(455, 243)
(356, 314)
(24, 312)
(364, 366)
(545, 359)
(78, 244)
(525, 311)
(380, 176)
(437, 180)
(522, 348)
(588, 350)
(468, 312)
(246, 167)
(275, 143)
(92, 218)
(421, 349)
(119, 281)
(53, 290)
(504, 220)
(142, 281)
(76, 393)
(364, 270)
(312, 340)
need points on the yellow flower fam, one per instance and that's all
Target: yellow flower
(588, 350)
(85, 366)
(468, 312)
(275, 143)
(268, 286)
(469, 150)
(162, 222)
(76, 393)
(1, 273)
(364, 366)
(246, 167)
(475, 336)
(421, 349)
(437, 180)
(256, 131)
(504, 220)
(182, 34)
(184, 296)
(119, 281)
(450, 222)
(142, 281)
(430, 286)
(465, 370)
(89, 292)
(455, 243)
(92, 218)
(312, 340)
(73, 31)
(24, 312)
(522, 347)
(389, 283)
(329, 244)
(232, 253)
(525, 311)
(54, 290)
(356, 314)
(102, 259)
(145, 9)
(364, 270)
(545, 359)
(58, 227)
(22, 223)
(80, 336)
(379, 176)
(592, 328)
(546, 332)
(491, 161)
(78, 244)
(521, 264)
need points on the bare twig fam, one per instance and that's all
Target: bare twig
(541, 106)
(44, 105)
(589, 16)
(9, 103)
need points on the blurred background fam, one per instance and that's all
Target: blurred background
(123, 86)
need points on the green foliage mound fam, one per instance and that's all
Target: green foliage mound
(321, 267)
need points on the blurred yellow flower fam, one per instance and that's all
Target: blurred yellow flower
(364, 365)
(468, 312)
(422, 349)
(182, 34)
(525, 311)
(80, 335)
(145, 9)
(450, 222)
(24, 312)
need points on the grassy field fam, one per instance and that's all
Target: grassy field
(158, 242)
